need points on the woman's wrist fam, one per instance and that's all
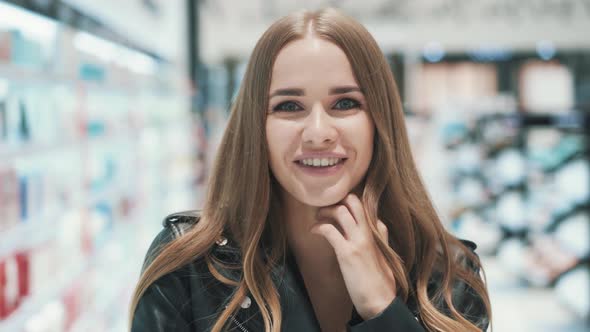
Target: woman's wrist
(376, 307)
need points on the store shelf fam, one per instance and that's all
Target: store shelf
(42, 228)
(33, 150)
(8, 154)
(33, 75)
(30, 233)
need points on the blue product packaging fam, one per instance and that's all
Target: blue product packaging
(23, 196)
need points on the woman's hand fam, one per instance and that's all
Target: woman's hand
(369, 280)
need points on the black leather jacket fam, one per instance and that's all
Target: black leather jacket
(190, 299)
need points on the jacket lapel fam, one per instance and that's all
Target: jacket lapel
(297, 309)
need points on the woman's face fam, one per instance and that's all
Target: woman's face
(317, 112)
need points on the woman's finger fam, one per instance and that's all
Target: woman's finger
(357, 210)
(332, 234)
(342, 216)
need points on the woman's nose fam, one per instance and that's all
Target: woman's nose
(319, 127)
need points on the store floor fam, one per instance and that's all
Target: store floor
(516, 308)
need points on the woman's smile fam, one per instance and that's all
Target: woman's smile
(321, 170)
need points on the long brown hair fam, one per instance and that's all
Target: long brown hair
(242, 196)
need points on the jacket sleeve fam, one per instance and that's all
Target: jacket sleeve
(164, 307)
(397, 317)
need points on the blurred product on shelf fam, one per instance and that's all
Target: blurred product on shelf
(546, 86)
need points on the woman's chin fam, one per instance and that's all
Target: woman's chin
(323, 200)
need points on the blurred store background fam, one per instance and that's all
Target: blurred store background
(110, 112)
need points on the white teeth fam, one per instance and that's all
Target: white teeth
(320, 162)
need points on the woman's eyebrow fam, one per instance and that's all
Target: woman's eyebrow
(288, 92)
(301, 92)
(344, 89)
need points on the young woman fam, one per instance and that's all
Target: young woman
(315, 217)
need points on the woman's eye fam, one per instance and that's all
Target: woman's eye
(342, 104)
(347, 104)
(288, 106)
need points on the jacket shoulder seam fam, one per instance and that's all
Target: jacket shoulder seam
(470, 244)
(179, 222)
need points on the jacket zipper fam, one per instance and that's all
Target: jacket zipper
(242, 328)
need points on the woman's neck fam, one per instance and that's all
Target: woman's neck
(309, 249)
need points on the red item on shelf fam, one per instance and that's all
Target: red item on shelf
(9, 298)
(14, 283)
(23, 264)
